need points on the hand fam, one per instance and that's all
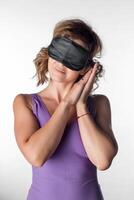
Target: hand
(89, 81)
(80, 90)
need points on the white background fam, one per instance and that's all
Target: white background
(25, 27)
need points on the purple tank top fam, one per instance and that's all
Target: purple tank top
(68, 174)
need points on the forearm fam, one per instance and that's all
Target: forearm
(45, 140)
(99, 148)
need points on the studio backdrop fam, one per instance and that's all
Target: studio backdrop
(25, 27)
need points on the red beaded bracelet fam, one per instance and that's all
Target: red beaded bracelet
(83, 114)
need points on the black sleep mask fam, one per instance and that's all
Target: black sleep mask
(69, 53)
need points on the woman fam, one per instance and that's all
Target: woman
(63, 131)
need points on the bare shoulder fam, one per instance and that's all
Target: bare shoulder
(99, 98)
(23, 99)
(102, 109)
(25, 122)
(101, 102)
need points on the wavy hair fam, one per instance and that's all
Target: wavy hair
(73, 29)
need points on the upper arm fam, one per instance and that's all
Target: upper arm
(103, 116)
(25, 123)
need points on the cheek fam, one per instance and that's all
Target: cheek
(52, 62)
(73, 75)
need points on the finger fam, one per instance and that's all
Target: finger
(92, 70)
(87, 75)
(92, 75)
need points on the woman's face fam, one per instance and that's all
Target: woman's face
(59, 72)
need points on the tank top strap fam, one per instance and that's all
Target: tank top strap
(36, 104)
(39, 109)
